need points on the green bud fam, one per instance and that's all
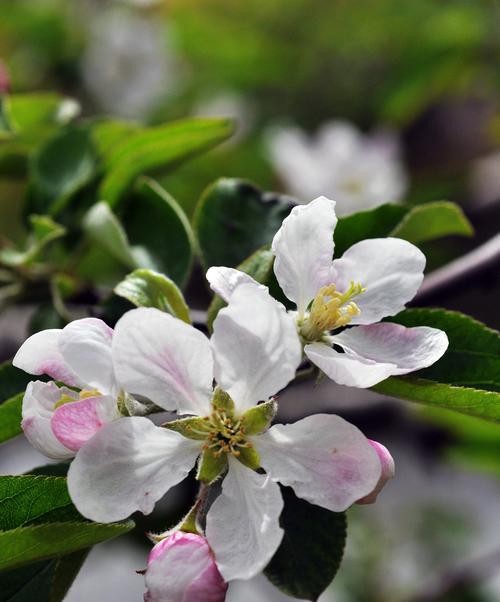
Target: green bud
(211, 466)
(191, 428)
(257, 419)
(249, 457)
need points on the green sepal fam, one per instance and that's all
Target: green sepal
(222, 401)
(249, 457)
(257, 419)
(191, 428)
(189, 523)
(211, 466)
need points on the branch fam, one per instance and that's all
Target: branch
(471, 267)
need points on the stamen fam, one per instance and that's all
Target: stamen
(330, 310)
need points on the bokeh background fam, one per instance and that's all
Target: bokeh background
(420, 78)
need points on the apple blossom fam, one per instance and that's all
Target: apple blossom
(182, 568)
(374, 278)
(253, 353)
(56, 420)
(360, 172)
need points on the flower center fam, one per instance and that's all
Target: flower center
(84, 394)
(330, 310)
(225, 434)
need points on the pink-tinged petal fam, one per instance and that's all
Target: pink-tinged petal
(243, 523)
(40, 354)
(406, 349)
(76, 422)
(128, 465)
(86, 348)
(303, 247)
(391, 270)
(388, 471)
(164, 359)
(223, 281)
(326, 460)
(346, 369)
(38, 408)
(182, 568)
(256, 346)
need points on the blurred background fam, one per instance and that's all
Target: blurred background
(363, 101)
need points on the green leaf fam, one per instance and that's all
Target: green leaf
(433, 220)
(38, 521)
(60, 168)
(10, 417)
(473, 356)
(311, 550)
(158, 148)
(46, 581)
(155, 223)
(39, 542)
(107, 133)
(145, 288)
(375, 223)
(234, 218)
(27, 500)
(43, 231)
(466, 379)
(259, 266)
(104, 229)
(29, 111)
(475, 402)
(417, 224)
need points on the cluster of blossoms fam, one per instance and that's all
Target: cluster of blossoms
(223, 390)
(359, 171)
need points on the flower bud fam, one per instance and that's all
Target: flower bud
(387, 464)
(181, 568)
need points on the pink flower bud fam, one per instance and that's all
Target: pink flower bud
(387, 464)
(181, 568)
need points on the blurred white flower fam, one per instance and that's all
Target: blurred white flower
(359, 172)
(128, 65)
(484, 180)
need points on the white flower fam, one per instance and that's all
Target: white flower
(254, 352)
(358, 171)
(56, 420)
(375, 278)
(129, 64)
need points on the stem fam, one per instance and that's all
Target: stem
(460, 272)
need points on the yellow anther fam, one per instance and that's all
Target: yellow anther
(330, 310)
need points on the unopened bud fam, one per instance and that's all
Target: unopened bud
(181, 568)
(387, 464)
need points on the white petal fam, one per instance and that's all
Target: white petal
(256, 346)
(326, 460)
(223, 281)
(38, 409)
(127, 466)
(86, 348)
(390, 269)
(75, 423)
(303, 247)
(164, 359)
(346, 369)
(243, 522)
(40, 354)
(407, 349)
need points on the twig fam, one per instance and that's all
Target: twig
(464, 270)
